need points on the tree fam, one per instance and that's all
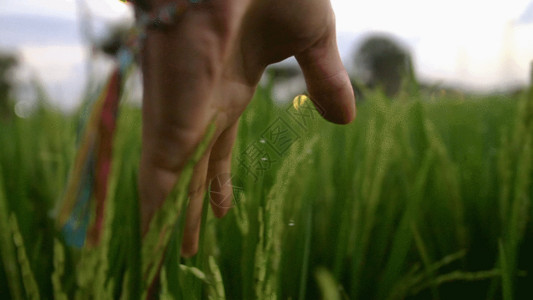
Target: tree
(382, 62)
(8, 62)
(114, 39)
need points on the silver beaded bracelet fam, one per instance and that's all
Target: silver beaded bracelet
(166, 16)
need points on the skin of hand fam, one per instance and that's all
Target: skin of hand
(209, 64)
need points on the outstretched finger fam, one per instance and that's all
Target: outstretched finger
(327, 81)
(193, 220)
(219, 172)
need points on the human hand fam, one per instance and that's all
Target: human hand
(207, 66)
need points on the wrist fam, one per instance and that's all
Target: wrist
(161, 14)
(148, 5)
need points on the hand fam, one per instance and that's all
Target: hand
(208, 65)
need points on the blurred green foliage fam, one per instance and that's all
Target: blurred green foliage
(418, 198)
(8, 62)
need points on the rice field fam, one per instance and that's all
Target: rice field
(423, 197)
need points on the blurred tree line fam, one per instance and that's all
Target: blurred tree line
(8, 63)
(381, 62)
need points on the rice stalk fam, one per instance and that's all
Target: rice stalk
(164, 293)
(160, 229)
(327, 284)
(416, 280)
(28, 279)
(307, 252)
(379, 154)
(216, 288)
(402, 240)
(424, 255)
(458, 276)
(59, 271)
(7, 249)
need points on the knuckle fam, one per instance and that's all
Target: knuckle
(162, 159)
(189, 250)
(169, 147)
(197, 189)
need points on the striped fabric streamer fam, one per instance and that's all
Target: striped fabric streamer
(89, 175)
(88, 181)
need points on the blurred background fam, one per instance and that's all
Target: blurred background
(427, 195)
(468, 46)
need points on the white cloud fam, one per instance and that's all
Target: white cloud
(472, 43)
(47, 37)
(475, 43)
(109, 9)
(421, 18)
(59, 68)
(55, 62)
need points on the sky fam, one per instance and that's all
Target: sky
(475, 44)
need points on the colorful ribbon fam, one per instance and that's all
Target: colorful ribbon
(89, 176)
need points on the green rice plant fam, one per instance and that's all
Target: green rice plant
(516, 169)
(419, 198)
(327, 284)
(59, 271)
(7, 249)
(30, 286)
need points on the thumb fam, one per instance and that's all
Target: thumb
(327, 80)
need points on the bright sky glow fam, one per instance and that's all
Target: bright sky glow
(482, 45)
(477, 44)
(64, 8)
